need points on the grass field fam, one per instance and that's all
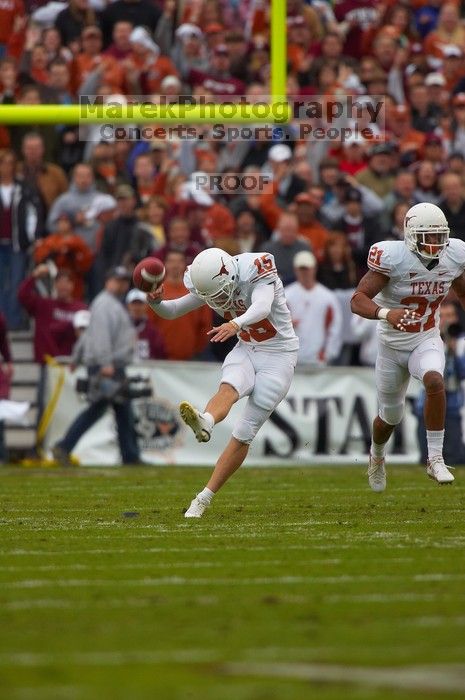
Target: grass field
(296, 584)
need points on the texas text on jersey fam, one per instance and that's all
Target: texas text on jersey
(413, 285)
(275, 333)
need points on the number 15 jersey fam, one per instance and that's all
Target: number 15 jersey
(274, 333)
(413, 286)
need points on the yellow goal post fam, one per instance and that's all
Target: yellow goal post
(279, 111)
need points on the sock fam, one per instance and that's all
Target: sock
(435, 440)
(206, 495)
(209, 418)
(377, 450)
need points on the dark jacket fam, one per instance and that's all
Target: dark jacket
(125, 240)
(27, 216)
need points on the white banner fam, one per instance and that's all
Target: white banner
(325, 418)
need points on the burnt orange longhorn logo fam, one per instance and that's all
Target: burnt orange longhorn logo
(223, 270)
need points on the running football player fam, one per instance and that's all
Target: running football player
(404, 287)
(247, 292)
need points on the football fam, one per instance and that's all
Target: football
(148, 274)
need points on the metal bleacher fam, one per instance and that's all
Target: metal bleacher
(20, 439)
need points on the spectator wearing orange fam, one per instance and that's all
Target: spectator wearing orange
(209, 219)
(68, 251)
(147, 181)
(186, 336)
(146, 67)
(399, 122)
(307, 205)
(10, 10)
(91, 58)
(353, 157)
(449, 31)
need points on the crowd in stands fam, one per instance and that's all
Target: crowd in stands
(71, 209)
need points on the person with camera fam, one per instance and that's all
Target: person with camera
(108, 349)
(452, 335)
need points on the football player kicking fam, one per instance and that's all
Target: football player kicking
(404, 287)
(247, 292)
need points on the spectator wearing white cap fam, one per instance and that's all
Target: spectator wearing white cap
(150, 344)
(146, 66)
(286, 185)
(189, 51)
(315, 313)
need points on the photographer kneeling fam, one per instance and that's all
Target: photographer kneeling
(108, 348)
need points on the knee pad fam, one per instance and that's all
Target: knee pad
(245, 431)
(391, 414)
(248, 426)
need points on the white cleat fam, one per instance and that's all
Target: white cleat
(196, 509)
(376, 474)
(437, 470)
(195, 420)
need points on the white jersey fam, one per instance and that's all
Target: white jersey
(317, 318)
(274, 333)
(412, 285)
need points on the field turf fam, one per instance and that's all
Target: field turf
(297, 583)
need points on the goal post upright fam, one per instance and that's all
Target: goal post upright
(13, 115)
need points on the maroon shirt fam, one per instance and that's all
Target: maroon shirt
(362, 15)
(54, 332)
(218, 85)
(150, 343)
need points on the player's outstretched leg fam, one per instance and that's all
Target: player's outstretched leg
(435, 419)
(229, 462)
(216, 410)
(376, 464)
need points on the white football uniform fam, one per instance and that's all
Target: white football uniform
(262, 364)
(412, 285)
(419, 349)
(275, 333)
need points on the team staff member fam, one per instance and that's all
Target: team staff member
(108, 349)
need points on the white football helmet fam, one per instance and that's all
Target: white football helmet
(214, 274)
(426, 231)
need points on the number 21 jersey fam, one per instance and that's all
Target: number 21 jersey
(274, 333)
(413, 286)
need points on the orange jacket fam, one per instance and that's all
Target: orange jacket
(68, 253)
(187, 335)
(219, 222)
(9, 9)
(84, 64)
